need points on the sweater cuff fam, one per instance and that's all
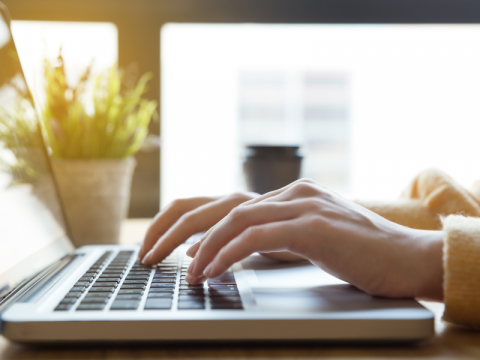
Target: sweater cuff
(461, 283)
(407, 212)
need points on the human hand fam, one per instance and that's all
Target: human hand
(184, 218)
(339, 236)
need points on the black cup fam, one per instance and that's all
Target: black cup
(269, 168)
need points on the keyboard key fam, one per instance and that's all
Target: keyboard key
(191, 287)
(99, 294)
(94, 300)
(74, 294)
(159, 281)
(144, 282)
(223, 287)
(82, 284)
(227, 306)
(130, 291)
(183, 282)
(160, 295)
(63, 307)
(140, 265)
(90, 307)
(226, 279)
(136, 273)
(125, 305)
(114, 272)
(164, 275)
(69, 300)
(102, 289)
(139, 277)
(129, 297)
(215, 293)
(78, 289)
(102, 284)
(193, 298)
(96, 271)
(108, 279)
(162, 290)
(189, 305)
(191, 292)
(133, 286)
(165, 280)
(158, 304)
(162, 285)
(225, 299)
(86, 278)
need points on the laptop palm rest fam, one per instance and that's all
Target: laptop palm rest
(300, 287)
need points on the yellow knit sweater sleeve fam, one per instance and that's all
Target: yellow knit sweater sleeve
(462, 270)
(429, 197)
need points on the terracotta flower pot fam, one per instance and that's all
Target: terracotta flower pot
(96, 195)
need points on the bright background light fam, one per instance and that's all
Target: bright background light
(81, 42)
(414, 94)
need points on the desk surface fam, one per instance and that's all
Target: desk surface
(450, 342)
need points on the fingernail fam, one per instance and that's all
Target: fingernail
(193, 280)
(208, 271)
(146, 257)
(190, 251)
(190, 279)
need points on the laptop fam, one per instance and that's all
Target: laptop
(52, 292)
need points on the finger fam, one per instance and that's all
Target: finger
(273, 195)
(166, 218)
(191, 223)
(193, 249)
(236, 222)
(270, 237)
(296, 191)
(282, 256)
(195, 281)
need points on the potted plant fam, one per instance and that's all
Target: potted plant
(92, 151)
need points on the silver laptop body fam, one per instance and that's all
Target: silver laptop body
(50, 292)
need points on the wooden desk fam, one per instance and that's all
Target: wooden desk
(449, 342)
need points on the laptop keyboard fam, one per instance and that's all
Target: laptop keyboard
(118, 285)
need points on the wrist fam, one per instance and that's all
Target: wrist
(430, 276)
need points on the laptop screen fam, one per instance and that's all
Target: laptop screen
(32, 227)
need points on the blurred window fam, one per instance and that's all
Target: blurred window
(371, 105)
(82, 44)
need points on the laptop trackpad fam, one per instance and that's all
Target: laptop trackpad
(266, 273)
(303, 287)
